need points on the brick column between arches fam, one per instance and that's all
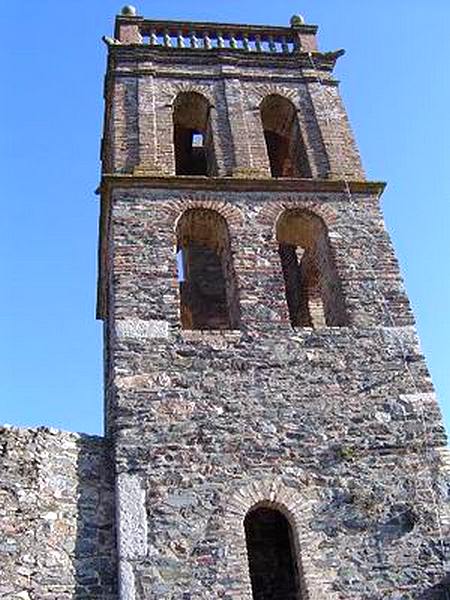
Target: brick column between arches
(147, 134)
(244, 163)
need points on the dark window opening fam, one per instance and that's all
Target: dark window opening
(271, 556)
(313, 291)
(296, 284)
(194, 151)
(208, 290)
(284, 142)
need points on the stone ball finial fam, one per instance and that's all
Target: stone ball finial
(129, 11)
(297, 20)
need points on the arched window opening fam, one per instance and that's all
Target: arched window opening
(193, 140)
(285, 146)
(271, 556)
(208, 290)
(313, 290)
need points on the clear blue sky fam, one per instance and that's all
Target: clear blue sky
(396, 85)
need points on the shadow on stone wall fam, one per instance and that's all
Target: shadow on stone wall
(440, 591)
(95, 548)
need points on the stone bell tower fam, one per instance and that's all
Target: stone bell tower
(275, 431)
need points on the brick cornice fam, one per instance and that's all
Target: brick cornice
(110, 181)
(294, 77)
(132, 52)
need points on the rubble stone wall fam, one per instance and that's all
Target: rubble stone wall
(57, 538)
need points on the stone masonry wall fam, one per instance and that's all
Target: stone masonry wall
(57, 537)
(338, 426)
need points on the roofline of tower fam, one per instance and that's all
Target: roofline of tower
(130, 30)
(209, 25)
(215, 184)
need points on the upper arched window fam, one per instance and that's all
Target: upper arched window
(285, 147)
(193, 140)
(313, 290)
(271, 555)
(208, 290)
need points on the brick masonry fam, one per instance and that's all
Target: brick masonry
(139, 133)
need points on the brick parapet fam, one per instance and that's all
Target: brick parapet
(197, 36)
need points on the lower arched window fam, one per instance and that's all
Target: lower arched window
(313, 289)
(271, 555)
(208, 290)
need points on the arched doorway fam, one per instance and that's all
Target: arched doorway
(271, 555)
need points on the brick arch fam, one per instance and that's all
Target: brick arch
(297, 506)
(326, 214)
(204, 232)
(257, 93)
(191, 117)
(284, 138)
(176, 89)
(271, 212)
(286, 94)
(232, 215)
(218, 117)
